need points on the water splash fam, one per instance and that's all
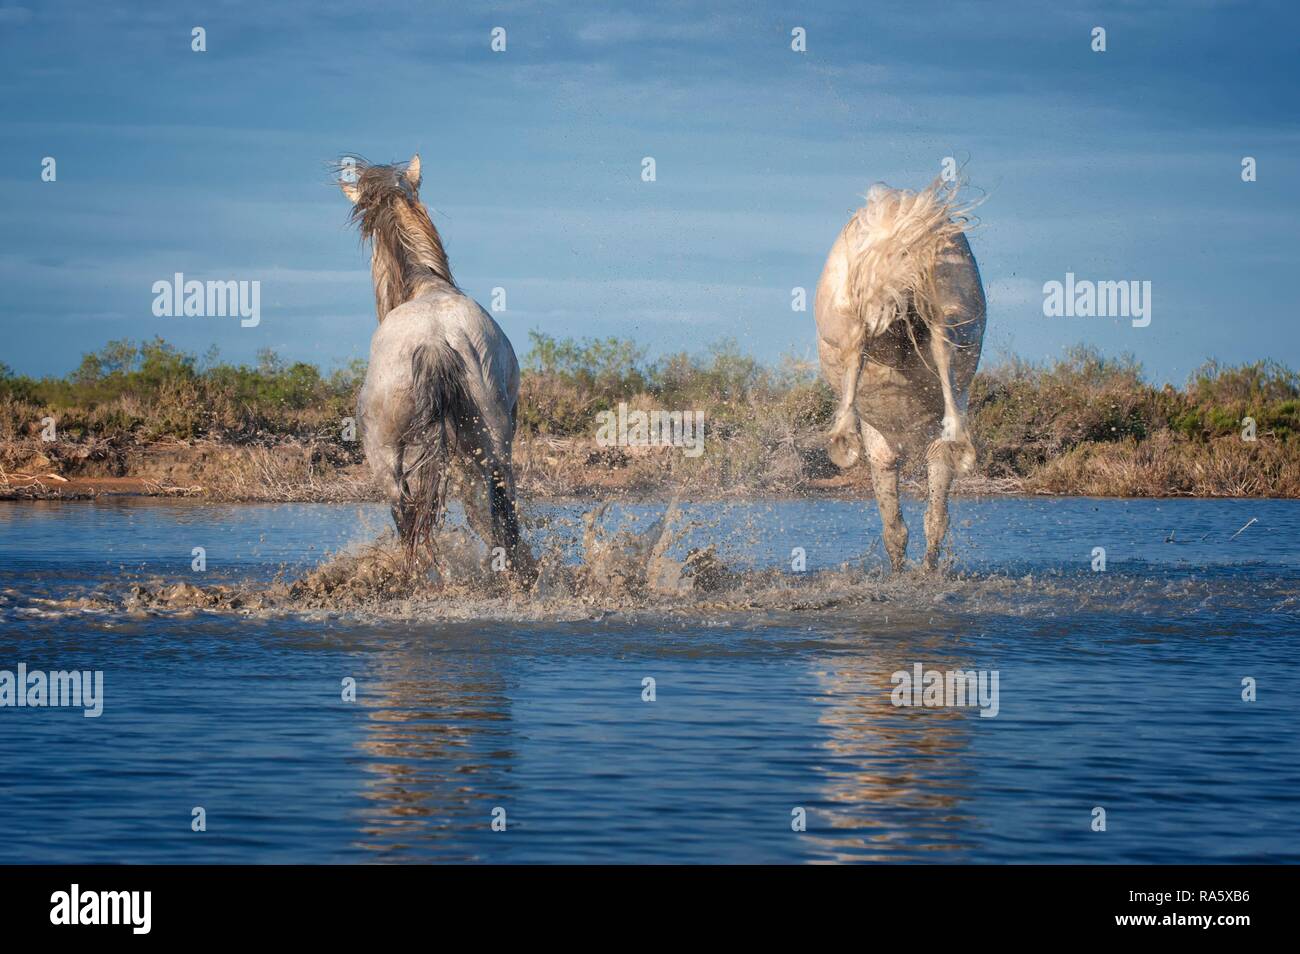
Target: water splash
(592, 566)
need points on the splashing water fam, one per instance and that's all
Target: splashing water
(594, 564)
(620, 568)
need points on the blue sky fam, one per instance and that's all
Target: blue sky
(1116, 165)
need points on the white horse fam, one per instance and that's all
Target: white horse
(900, 322)
(442, 386)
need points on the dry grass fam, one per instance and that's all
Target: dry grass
(1167, 465)
(292, 473)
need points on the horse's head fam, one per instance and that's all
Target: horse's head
(370, 186)
(386, 207)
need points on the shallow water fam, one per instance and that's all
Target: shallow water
(1119, 689)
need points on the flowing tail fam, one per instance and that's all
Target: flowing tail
(895, 243)
(443, 411)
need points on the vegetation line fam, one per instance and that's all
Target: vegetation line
(1082, 425)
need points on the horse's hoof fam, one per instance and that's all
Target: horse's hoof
(843, 452)
(959, 453)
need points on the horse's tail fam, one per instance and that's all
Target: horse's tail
(895, 243)
(443, 411)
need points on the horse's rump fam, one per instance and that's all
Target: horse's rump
(893, 297)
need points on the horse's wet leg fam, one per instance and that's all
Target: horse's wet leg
(401, 520)
(884, 477)
(884, 480)
(953, 433)
(939, 478)
(505, 519)
(477, 500)
(386, 464)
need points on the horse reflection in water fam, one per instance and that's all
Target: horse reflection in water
(438, 743)
(443, 745)
(894, 787)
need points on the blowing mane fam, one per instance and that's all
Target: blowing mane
(407, 256)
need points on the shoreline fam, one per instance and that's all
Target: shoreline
(91, 488)
(546, 469)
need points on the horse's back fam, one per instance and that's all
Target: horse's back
(448, 315)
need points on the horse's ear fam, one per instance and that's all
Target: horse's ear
(350, 190)
(413, 171)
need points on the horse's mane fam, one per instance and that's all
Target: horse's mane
(895, 242)
(408, 252)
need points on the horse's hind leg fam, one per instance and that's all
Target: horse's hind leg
(939, 478)
(477, 500)
(412, 493)
(884, 481)
(498, 488)
(953, 431)
(405, 506)
(385, 459)
(407, 503)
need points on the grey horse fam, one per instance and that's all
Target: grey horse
(900, 316)
(442, 387)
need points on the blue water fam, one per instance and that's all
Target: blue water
(1119, 690)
